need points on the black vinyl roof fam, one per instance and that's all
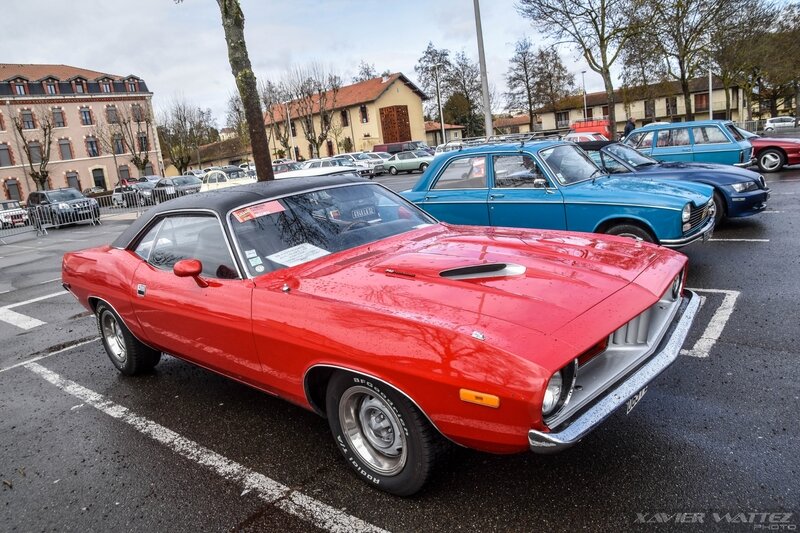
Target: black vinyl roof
(221, 201)
(595, 145)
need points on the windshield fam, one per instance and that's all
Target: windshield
(186, 180)
(364, 156)
(290, 231)
(629, 155)
(9, 205)
(421, 154)
(64, 195)
(569, 164)
(744, 133)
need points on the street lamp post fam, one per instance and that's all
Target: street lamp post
(487, 109)
(583, 79)
(289, 131)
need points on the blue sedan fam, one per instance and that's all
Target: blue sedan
(555, 185)
(737, 192)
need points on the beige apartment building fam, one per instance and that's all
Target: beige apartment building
(381, 110)
(82, 105)
(661, 102)
(433, 133)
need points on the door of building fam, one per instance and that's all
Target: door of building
(99, 178)
(395, 124)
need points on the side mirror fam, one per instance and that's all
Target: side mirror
(190, 268)
(539, 183)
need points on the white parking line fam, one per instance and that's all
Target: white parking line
(270, 491)
(738, 240)
(24, 321)
(45, 356)
(713, 330)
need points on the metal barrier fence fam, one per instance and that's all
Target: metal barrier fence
(41, 218)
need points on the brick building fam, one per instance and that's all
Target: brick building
(86, 108)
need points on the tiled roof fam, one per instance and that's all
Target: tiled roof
(228, 148)
(431, 125)
(358, 93)
(60, 72)
(519, 120)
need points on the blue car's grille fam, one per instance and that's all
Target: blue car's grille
(698, 216)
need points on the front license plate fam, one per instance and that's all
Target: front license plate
(708, 235)
(633, 400)
(363, 212)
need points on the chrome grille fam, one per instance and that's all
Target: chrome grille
(697, 216)
(634, 332)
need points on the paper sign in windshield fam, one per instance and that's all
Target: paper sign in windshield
(260, 210)
(297, 255)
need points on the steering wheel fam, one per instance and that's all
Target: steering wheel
(356, 224)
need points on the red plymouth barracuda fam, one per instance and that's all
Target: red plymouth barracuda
(337, 295)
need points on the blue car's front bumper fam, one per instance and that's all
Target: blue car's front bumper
(745, 204)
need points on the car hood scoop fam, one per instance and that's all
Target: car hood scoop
(484, 270)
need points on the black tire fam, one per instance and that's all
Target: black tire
(415, 445)
(632, 231)
(393, 171)
(423, 166)
(130, 356)
(771, 160)
(720, 208)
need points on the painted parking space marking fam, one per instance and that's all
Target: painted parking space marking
(738, 240)
(29, 286)
(713, 330)
(49, 354)
(24, 321)
(268, 490)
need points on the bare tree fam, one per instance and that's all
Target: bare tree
(600, 29)
(463, 77)
(366, 72)
(778, 72)
(552, 83)
(237, 121)
(314, 92)
(182, 129)
(520, 80)
(110, 140)
(35, 128)
(135, 125)
(274, 97)
(684, 29)
(430, 69)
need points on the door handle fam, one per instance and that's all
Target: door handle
(429, 196)
(141, 288)
(493, 196)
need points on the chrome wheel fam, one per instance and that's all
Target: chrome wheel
(373, 430)
(113, 336)
(770, 161)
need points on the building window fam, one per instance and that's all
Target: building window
(148, 169)
(562, 119)
(2, 123)
(91, 147)
(86, 116)
(73, 181)
(35, 152)
(99, 178)
(111, 114)
(605, 111)
(12, 186)
(65, 147)
(362, 112)
(50, 87)
(144, 146)
(672, 106)
(58, 118)
(345, 118)
(19, 89)
(119, 144)
(5, 156)
(79, 87)
(105, 86)
(649, 108)
(136, 112)
(589, 112)
(294, 129)
(329, 146)
(514, 129)
(27, 120)
(132, 88)
(124, 173)
(701, 102)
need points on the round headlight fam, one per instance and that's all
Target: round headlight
(686, 214)
(552, 394)
(676, 286)
(63, 205)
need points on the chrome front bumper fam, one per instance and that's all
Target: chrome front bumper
(750, 163)
(704, 234)
(578, 427)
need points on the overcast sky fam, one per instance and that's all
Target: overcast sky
(179, 49)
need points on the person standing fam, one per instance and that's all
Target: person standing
(629, 126)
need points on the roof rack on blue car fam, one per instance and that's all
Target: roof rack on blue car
(467, 142)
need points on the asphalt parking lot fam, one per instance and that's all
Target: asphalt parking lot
(83, 448)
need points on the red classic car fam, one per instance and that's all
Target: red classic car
(773, 153)
(336, 294)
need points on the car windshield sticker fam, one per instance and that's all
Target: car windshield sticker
(256, 211)
(297, 255)
(250, 253)
(260, 268)
(255, 261)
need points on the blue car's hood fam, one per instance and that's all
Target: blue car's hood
(709, 172)
(654, 192)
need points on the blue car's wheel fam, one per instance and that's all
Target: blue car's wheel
(632, 231)
(719, 204)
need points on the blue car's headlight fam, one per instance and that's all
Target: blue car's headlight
(686, 214)
(744, 186)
